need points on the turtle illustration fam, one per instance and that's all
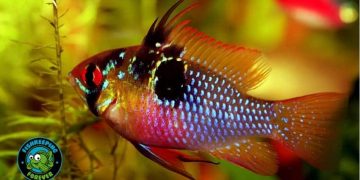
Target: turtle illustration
(42, 161)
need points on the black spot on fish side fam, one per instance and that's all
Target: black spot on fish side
(170, 84)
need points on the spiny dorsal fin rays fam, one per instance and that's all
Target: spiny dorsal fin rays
(166, 16)
(182, 13)
(155, 44)
(158, 32)
(244, 67)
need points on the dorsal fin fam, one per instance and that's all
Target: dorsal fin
(155, 43)
(244, 67)
(159, 32)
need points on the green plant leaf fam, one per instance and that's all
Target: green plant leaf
(7, 153)
(43, 121)
(19, 135)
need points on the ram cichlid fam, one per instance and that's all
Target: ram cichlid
(181, 90)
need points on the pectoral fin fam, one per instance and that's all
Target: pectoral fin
(170, 159)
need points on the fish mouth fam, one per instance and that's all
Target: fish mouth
(71, 79)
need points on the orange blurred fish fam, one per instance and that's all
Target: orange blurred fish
(183, 90)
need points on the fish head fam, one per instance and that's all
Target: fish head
(102, 79)
(118, 85)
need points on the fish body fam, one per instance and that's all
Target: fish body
(182, 90)
(211, 114)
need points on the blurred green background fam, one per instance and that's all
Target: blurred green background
(311, 46)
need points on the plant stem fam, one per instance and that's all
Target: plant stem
(59, 50)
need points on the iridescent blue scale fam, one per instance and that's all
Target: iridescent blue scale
(220, 107)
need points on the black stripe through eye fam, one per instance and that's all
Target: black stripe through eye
(94, 90)
(90, 75)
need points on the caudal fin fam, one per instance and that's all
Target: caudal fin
(309, 126)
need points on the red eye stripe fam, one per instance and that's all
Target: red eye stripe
(91, 75)
(83, 75)
(97, 76)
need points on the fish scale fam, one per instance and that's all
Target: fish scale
(213, 113)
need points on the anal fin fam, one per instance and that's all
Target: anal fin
(254, 154)
(170, 158)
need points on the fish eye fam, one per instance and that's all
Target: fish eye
(91, 75)
(31, 157)
(37, 157)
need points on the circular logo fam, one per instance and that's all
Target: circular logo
(39, 158)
